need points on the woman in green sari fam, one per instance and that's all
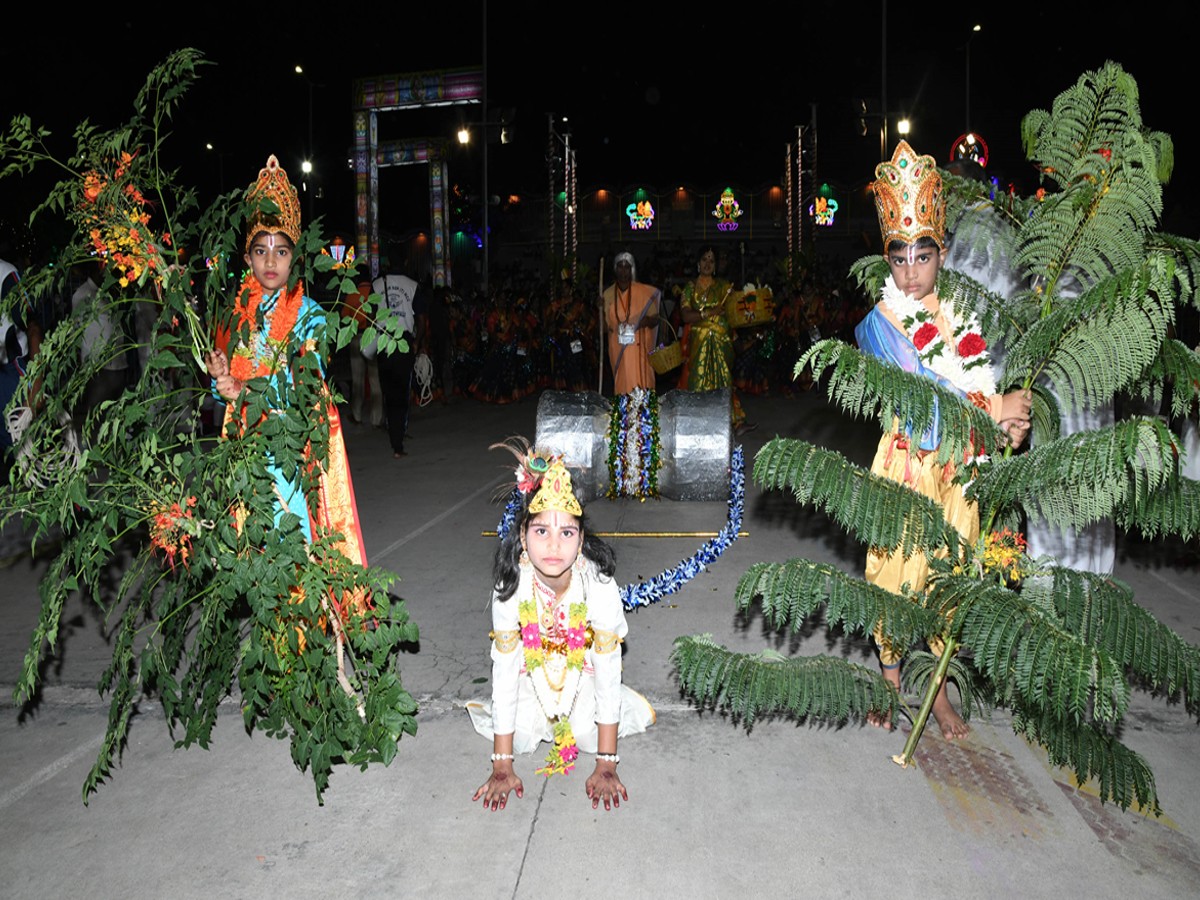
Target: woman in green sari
(710, 338)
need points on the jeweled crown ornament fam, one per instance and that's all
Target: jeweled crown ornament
(272, 183)
(908, 198)
(556, 493)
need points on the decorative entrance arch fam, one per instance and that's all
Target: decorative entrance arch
(388, 93)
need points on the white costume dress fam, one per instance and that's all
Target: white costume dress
(596, 695)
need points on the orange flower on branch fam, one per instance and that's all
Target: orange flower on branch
(171, 530)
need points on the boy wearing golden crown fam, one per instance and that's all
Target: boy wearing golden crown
(557, 629)
(273, 329)
(915, 329)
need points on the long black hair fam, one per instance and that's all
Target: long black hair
(506, 569)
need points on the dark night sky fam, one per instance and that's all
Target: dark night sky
(654, 97)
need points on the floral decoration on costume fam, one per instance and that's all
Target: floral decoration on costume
(966, 364)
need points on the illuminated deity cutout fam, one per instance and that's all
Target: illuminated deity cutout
(822, 211)
(641, 215)
(727, 211)
(343, 256)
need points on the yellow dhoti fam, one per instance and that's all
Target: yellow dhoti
(920, 470)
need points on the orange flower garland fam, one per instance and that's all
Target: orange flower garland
(249, 359)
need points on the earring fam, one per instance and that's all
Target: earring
(580, 563)
(524, 560)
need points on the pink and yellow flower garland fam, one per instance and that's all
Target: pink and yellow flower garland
(561, 759)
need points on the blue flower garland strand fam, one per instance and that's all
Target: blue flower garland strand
(646, 592)
(633, 445)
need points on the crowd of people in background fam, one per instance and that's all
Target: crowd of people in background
(525, 335)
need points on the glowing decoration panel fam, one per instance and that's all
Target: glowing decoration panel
(727, 212)
(641, 215)
(822, 211)
(970, 146)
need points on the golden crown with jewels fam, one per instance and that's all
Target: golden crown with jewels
(272, 184)
(908, 198)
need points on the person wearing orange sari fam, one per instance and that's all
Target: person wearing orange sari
(631, 311)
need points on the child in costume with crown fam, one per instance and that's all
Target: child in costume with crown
(915, 329)
(273, 333)
(557, 629)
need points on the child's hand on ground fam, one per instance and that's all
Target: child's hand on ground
(605, 785)
(495, 790)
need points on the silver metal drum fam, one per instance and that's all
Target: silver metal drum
(694, 431)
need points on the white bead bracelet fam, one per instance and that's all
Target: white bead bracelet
(496, 757)
(608, 757)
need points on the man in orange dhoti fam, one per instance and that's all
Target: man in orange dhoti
(631, 321)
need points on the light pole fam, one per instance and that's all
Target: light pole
(974, 31)
(307, 164)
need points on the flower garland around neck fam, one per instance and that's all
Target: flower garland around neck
(967, 364)
(259, 356)
(556, 703)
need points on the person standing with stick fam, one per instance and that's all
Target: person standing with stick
(631, 322)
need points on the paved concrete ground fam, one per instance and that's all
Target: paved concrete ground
(714, 811)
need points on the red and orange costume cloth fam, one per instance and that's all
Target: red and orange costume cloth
(267, 337)
(630, 345)
(927, 336)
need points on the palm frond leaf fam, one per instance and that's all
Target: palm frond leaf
(791, 591)
(1102, 612)
(879, 511)
(829, 689)
(866, 387)
(1118, 471)
(1091, 753)
(1015, 643)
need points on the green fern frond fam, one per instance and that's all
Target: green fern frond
(1186, 253)
(919, 666)
(1046, 414)
(1091, 753)
(869, 273)
(1164, 152)
(1102, 106)
(1178, 367)
(878, 511)
(1001, 319)
(866, 387)
(1175, 511)
(1096, 344)
(1092, 147)
(792, 591)
(1102, 612)
(1014, 642)
(1083, 478)
(825, 688)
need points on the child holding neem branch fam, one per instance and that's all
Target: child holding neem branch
(557, 628)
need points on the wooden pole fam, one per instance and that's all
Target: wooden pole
(600, 332)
